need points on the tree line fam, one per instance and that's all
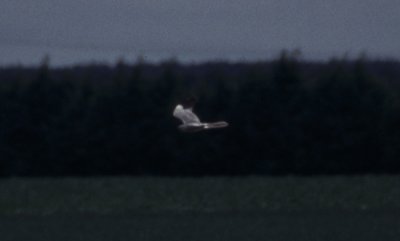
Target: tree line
(287, 116)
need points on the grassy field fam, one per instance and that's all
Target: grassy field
(252, 208)
(44, 196)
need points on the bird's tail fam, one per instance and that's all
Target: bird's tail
(213, 125)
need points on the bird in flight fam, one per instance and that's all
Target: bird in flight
(192, 123)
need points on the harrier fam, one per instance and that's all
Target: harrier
(192, 123)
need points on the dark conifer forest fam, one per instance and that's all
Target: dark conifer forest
(286, 116)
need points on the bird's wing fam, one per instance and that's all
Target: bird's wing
(219, 124)
(185, 115)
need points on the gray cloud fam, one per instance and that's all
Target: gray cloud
(81, 30)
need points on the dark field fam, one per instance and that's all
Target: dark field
(253, 208)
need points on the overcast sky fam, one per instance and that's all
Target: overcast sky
(103, 30)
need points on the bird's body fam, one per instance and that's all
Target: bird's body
(192, 123)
